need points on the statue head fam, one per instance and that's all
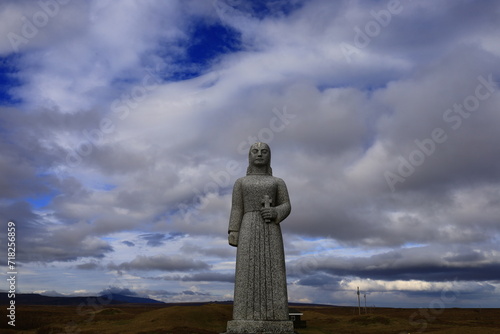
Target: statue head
(259, 159)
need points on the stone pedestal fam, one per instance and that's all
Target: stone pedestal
(259, 327)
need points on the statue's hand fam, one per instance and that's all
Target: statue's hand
(233, 238)
(269, 214)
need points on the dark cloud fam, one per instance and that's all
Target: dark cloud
(194, 293)
(88, 266)
(158, 239)
(204, 276)
(40, 240)
(49, 243)
(117, 291)
(24, 158)
(209, 277)
(154, 240)
(20, 213)
(161, 262)
(221, 252)
(320, 280)
(434, 263)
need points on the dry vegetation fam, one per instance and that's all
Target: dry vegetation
(212, 318)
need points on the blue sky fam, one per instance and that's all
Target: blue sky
(124, 125)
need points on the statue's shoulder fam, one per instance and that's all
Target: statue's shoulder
(278, 180)
(239, 181)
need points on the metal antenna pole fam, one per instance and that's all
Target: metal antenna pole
(359, 303)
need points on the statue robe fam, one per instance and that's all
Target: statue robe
(260, 291)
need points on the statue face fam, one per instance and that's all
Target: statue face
(259, 155)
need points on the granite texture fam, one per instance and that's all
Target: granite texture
(260, 202)
(259, 327)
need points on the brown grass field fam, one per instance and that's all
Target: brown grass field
(212, 318)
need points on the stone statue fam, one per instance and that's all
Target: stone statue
(260, 202)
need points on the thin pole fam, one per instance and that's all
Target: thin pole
(359, 303)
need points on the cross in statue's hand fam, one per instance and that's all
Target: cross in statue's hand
(267, 201)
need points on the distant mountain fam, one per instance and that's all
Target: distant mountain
(130, 299)
(36, 299)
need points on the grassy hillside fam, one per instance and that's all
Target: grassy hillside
(212, 318)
